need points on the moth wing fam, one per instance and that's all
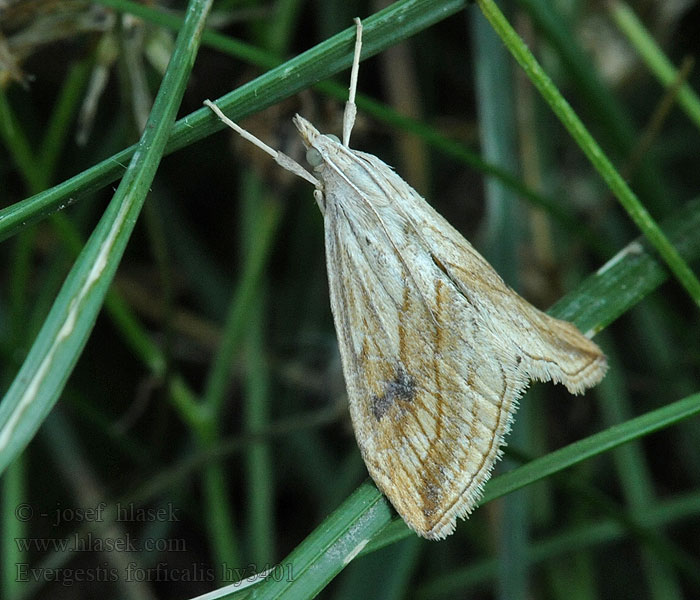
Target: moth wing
(551, 349)
(436, 349)
(429, 412)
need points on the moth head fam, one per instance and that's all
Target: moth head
(316, 143)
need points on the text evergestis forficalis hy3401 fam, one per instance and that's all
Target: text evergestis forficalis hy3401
(436, 348)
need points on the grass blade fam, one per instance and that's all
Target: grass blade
(381, 30)
(620, 271)
(593, 151)
(654, 58)
(55, 351)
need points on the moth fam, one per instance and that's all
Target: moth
(436, 348)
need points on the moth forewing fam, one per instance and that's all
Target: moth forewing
(436, 348)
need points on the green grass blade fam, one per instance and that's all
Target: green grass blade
(13, 494)
(502, 235)
(593, 151)
(630, 268)
(615, 127)
(381, 30)
(235, 327)
(15, 217)
(381, 112)
(586, 535)
(635, 477)
(18, 145)
(654, 58)
(630, 275)
(57, 348)
(58, 129)
(331, 546)
(627, 278)
(343, 535)
(592, 446)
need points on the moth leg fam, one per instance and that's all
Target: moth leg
(280, 157)
(350, 107)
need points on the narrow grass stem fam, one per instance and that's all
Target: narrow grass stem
(627, 198)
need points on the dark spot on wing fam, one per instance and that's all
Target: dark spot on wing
(400, 389)
(380, 406)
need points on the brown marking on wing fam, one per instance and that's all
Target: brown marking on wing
(433, 473)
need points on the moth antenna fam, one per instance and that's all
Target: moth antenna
(281, 158)
(350, 107)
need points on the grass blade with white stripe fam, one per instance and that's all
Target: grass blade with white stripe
(37, 386)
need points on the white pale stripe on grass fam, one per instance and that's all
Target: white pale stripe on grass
(76, 304)
(58, 346)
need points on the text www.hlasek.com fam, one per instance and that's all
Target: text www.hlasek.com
(90, 543)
